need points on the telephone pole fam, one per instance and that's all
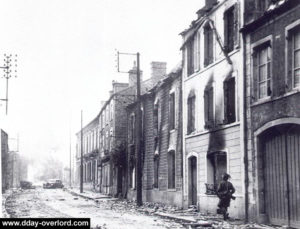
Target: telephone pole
(70, 159)
(8, 73)
(138, 152)
(81, 158)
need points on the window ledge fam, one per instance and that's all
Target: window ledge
(202, 132)
(261, 101)
(210, 65)
(171, 189)
(270, 99)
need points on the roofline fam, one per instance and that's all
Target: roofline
(269, 15)
(158, 85)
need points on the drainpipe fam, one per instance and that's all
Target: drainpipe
(245, 131)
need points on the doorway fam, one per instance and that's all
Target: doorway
(192, 165)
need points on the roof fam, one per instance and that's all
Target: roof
(145, 86)
(173, 74)
(275, 8)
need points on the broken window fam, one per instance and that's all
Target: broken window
(209, 107)
(156, 166)
(171, 169)
(172, 111)
(208, 45)
(190, 57)
(229, 29)
(156, 125)
(229, 100)
(216, 167)
(132, 128)
(191, 113)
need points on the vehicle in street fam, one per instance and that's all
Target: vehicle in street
(53, 183)
(26, 185)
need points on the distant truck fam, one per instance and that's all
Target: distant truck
(53, 183)
(26, 185)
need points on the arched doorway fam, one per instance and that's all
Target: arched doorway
(192, 166)
(279, 174)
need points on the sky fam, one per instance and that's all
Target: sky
(66, 61)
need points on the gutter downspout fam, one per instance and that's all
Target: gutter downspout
(245, 132)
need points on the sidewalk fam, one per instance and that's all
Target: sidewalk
(89, 194)
(190, 218)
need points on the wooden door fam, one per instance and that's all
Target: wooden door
(293, 155)
(281, 173)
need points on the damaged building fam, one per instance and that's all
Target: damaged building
(161, 139)
(213, 106)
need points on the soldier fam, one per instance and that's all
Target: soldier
(224, 192)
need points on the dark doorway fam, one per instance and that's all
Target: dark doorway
(192, 180)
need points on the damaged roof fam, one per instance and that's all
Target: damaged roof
(276, 7)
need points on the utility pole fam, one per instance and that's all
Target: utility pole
(138, 152)
(70, 159)
(8, 74)
(81, 158)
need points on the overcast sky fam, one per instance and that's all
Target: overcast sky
(66, 60)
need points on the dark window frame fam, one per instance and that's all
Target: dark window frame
(156, 171)
(215, 158)
(209, 107)
(191, 112)
(229, 29)
(229, 100)
(171, 169)
(208, 45)
(190, 57)
(172, 111)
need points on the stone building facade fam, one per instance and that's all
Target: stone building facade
(4, 160)
(213, 106)
(162, 140)
(90, 150)
(113, 127)
(272, 63)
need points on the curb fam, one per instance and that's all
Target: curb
(181, 218)
(86, 197)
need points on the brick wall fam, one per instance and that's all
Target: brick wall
(167, 140)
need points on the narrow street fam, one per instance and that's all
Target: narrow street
(104, 213)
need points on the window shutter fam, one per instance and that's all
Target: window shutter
(193, 114)
(236, 25)
(211, 105)
(206, 46)
(225, 18)
(231, 100)
(290, 53)
(206, 107)
(225, 88)
(255, 75)
(210, 46)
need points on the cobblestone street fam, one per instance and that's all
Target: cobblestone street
(104, 213)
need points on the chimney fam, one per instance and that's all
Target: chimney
(210, 3)
(132, 75)
(158, 71)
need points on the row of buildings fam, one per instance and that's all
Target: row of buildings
(13, 165)
(231, 105)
